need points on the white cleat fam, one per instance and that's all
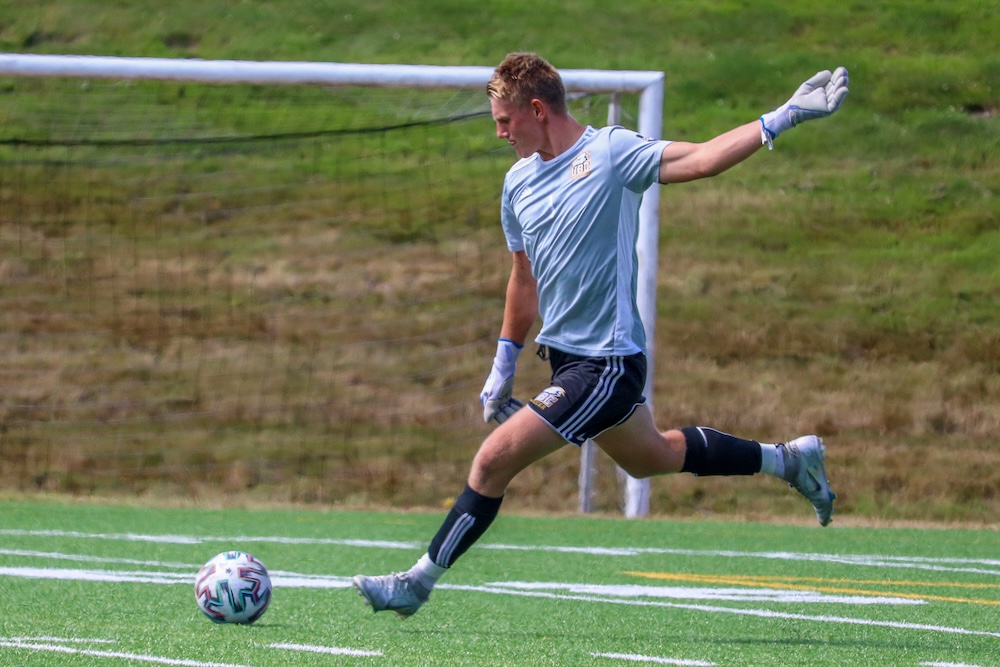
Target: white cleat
(805, 473)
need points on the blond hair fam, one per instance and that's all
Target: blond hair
(522, 77)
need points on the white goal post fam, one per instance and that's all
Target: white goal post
(648, 85)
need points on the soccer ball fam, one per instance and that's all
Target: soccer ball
(233, 587)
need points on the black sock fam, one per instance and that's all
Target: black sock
(711, 452)
(468, 519)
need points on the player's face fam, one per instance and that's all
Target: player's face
(520, 126)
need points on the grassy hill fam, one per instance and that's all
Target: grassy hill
(844, 284)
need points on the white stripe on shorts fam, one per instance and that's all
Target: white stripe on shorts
(598, 398)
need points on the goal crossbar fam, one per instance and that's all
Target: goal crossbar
(649, 85)
(303, 73)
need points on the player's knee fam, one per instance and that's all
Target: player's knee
(488, 470)
(483, 465)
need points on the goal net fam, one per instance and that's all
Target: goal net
(260, 281)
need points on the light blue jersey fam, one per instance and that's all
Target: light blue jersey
(576, 217)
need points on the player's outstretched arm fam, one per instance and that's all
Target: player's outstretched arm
(818, 97)
(684, 161)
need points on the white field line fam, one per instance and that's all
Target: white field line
(711, 594)
(42, 644)
(861, 560)
(118, 655)
(630, 591)
(129, 537)
(631, 657)
(504, 589)
(110, 576)
(293, 579)
(956, 565)
(82, 558)
(626, 591)
(282, 579)
(329, 650)
(760, 613)
(62, 640)
(201, 539)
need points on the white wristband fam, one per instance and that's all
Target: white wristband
(507, 353)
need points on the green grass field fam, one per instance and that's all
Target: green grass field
(102, 585)
(844, 284)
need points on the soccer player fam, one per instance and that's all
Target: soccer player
(569, 212)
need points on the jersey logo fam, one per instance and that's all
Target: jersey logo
(580, 167)
(548, 397)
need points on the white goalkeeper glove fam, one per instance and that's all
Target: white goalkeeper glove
(818, 97)
(498, 392)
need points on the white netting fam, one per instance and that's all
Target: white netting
(286, 290)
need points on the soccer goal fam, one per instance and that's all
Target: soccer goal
(269, 280)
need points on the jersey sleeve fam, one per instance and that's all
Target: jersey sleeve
(509, 222)
(636, 158)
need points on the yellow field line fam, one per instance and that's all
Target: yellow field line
(785, 583)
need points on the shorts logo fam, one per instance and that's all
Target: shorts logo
(548, 397)
(580, 166)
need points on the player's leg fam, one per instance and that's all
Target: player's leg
(640, 449)
(643, 451)
(509, 449)
(601, 398)
(513, 446)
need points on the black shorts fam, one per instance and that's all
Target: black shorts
(589, 395)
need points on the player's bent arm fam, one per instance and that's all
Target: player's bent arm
(521, 308)
(520, 312)
(684, 161)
